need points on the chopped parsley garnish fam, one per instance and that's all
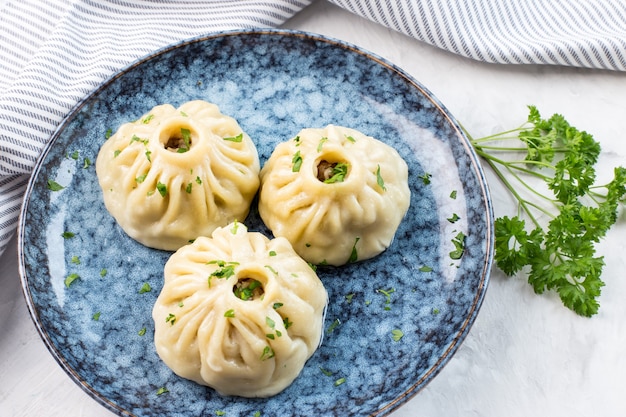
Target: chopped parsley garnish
(459, 245)
(96, 316)
(75, 260)
(276, 306)
(340, 381)
(162, 390)
(220, 413)
(454, 218)
(86, 163)
(426, 178)
(379, 179)
(270, 323)
(136, 138)
(267, 353)
(297, 162)
(67, 235)
(74, 155)
(435, 311)
(141, 178)
(245, 289)
(147, 119)
(171, 319)
(272, 270)
(287, 323)
(326, 371)
(349, 297)
(70, 279)
(117, 152)
(297, 140)
(237, 138)
(272, 253)
(354, 256)
(226, 269)
(199, 180)
(425, 268)
(257, 414)
(148, 153)
(321, 144)
(108, 133)
(54, 186)
(397, 334)
(339, 172)
(162, 188)
(145, 288)
(235, 227)
(186, 136)
(453, 195)
(387, 294)
(333, 326)
(103, 272)
(142, 331)
(351, 139)
(188, 188)
(229, 313)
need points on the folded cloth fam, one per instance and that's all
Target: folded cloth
(580, 33)
(54, 52)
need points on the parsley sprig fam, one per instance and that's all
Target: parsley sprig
(555, 180)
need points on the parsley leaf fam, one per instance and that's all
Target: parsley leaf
(558, 254)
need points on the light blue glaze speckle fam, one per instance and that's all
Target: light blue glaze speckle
(274, 83)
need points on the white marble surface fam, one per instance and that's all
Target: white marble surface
(526, 355)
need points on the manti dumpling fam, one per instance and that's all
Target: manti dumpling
(175, 174)
(239, 312)
(336, 194)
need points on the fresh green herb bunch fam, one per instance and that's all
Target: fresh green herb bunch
(561, 254)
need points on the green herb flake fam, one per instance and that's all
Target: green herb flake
(272, 253)
(297, 140)
(426, 178)
(351, 139)
(349, 297)
(103, 272)
(397, 334)
(453, 195)
(354, 256)
(267, 353)
(171, 319)
(148, 153)
(54, 186)
(182, 113)
(147, 119)
(108, 133)
(297, 162)
(75, 260)
(436, 311)
(145, 288)
(333, 326)
(70, 279)
(199, 180)
(276, 306)
(74, 155)
(220, 413)
(320, 145)
(162, 391)
(237, 139)
(454, 218)
(287, 323)
(67, 235)
(272, 270)
(162, 189)
(270, 323)
(86, 163)
(257, 414)
(387, 294)
(188, 188)
(459, 245)
(425, 268)
(96, 316)
(235, 227)
(338, 173)
(326, 372)
(116, 153)
(230, 313)
(141, 178)
(340, 381)
(142, 331)
(379, 179)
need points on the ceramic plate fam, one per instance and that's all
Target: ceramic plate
(274, 82)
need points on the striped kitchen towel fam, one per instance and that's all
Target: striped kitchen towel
(54, 52)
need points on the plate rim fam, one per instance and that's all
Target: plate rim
(477, 168)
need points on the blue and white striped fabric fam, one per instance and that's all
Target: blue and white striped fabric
(54, 52)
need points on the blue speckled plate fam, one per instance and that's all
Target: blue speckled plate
(274, 82)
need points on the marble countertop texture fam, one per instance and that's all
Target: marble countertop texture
(526, 355)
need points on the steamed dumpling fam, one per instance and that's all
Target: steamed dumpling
(175, 174)
(239, 312)
(336, 194)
